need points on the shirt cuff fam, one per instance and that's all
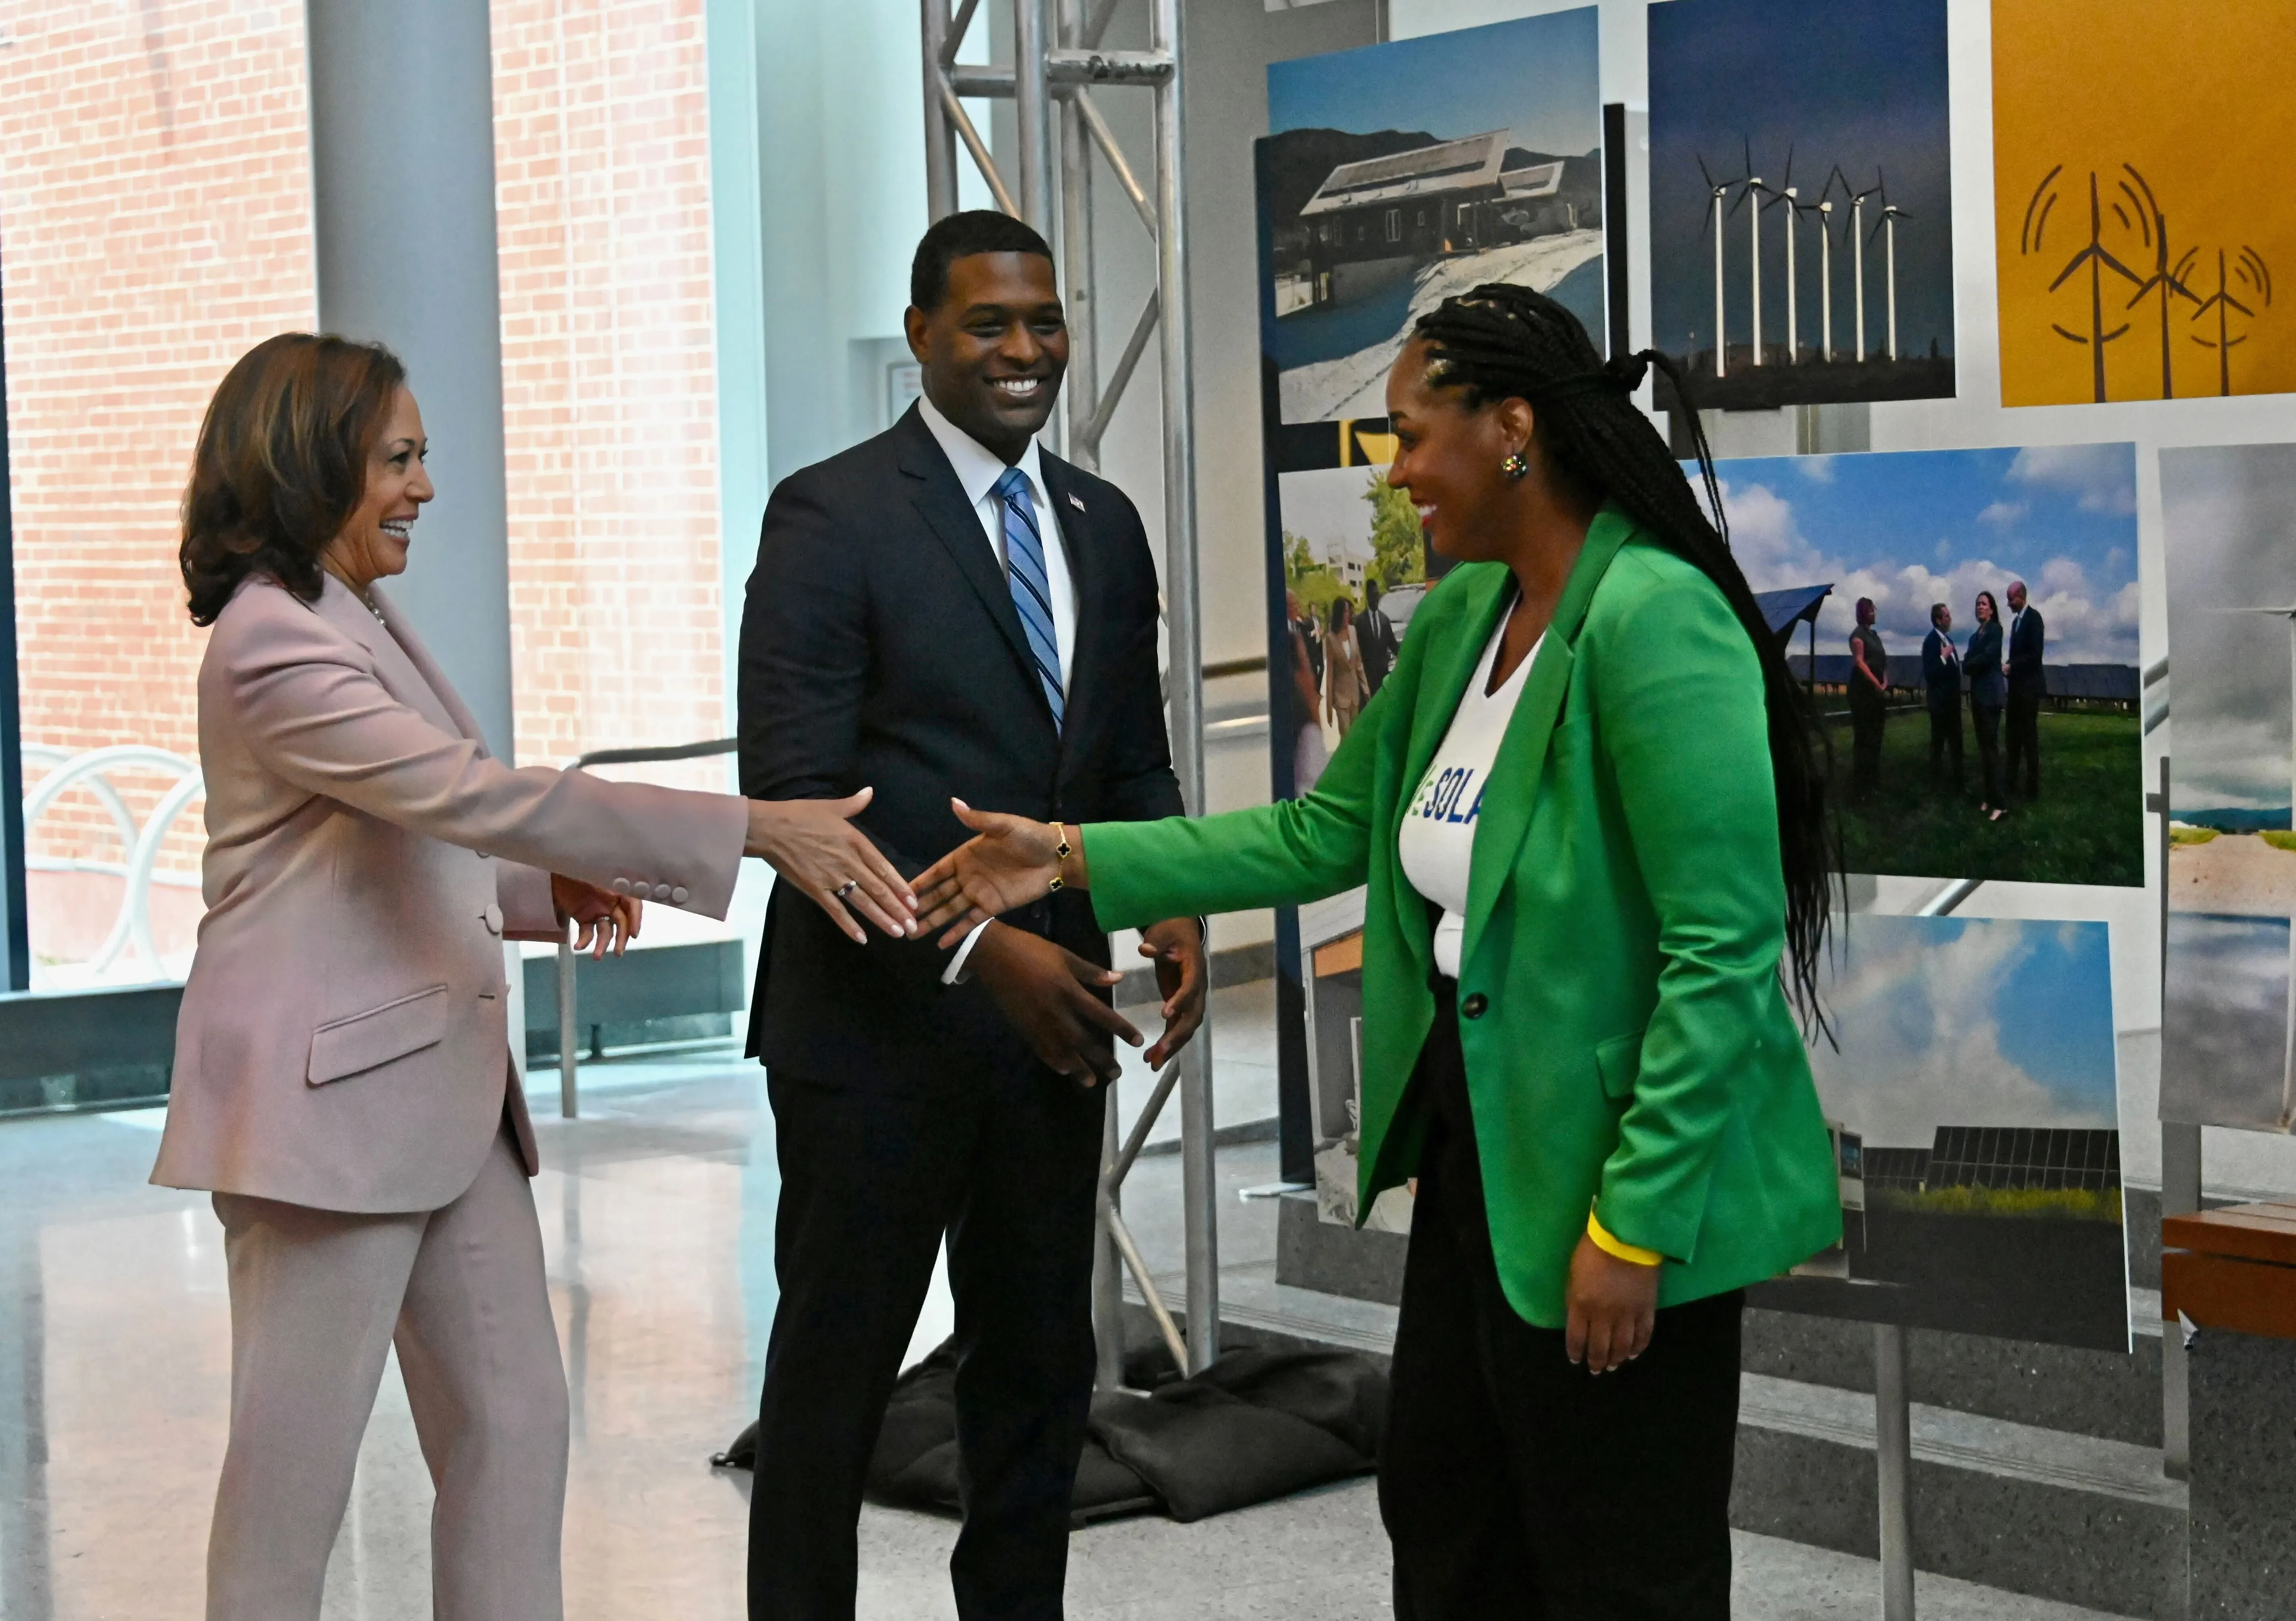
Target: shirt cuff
(954, 974)
(1618, 1247)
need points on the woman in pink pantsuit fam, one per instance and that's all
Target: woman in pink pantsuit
(342, 1078)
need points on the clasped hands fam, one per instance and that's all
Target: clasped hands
(1048, 993)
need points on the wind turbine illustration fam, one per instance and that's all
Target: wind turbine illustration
(1753, 187)
(2288, 1058)
(2095, 257)
(1857, 255)
(2248, 267)
(1888, 231)
(1716, 191)
(1788, 197)
(2169, 283)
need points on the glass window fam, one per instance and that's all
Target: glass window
(154, 223)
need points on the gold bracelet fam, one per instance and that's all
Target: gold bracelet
(1061, 855)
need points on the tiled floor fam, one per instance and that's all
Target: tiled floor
(657, 1212)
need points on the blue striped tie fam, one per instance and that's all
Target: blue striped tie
(1032, 591)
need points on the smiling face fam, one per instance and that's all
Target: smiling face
(1448, 456)
(1984, 609)
(995, 348)
(373, 544)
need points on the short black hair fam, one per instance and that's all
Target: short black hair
(961, 235)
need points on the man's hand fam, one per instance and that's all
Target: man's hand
(604, 920)
(1177, 946)
(1611, 1307)
(1044, 992)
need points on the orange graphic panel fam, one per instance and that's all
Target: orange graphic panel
(2143, 206)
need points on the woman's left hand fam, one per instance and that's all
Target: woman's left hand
(1611, 1306)
(604, 920)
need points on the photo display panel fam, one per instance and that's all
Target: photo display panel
(1908, 733)
(1801, 200)
(2227, 1057)
(2145, 228)
(1972, 1098)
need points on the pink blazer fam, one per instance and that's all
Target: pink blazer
(343, 1041)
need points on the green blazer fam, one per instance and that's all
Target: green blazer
(1633, 1051)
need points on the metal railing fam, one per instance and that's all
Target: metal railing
(139, 869)
(570, 1022)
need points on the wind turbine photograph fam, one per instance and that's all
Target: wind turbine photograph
(2142, 216)
(1801, 201)
(2229, 1020)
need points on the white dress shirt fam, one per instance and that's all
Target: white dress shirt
(978, 469)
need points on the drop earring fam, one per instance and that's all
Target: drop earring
(1515, 467)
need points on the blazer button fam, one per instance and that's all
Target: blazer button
(661, 892)
(621, 886)
(1473, 1006)
(677, 896)
(493, 915)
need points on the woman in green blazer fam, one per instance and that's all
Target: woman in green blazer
(1587, 812)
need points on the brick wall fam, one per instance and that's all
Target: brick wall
(602, 175)
(155, 223)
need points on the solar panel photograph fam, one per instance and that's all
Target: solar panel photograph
(1965, 622)
(1973, 1102)
(1396, 176)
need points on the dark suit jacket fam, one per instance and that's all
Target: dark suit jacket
(2025, 678)
(1375, 638)
(1981, 667)
(880, 648)
(1940, 671)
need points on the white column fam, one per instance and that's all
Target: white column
(403, 205)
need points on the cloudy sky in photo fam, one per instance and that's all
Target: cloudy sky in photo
(1326, 505)
(1916, 527)
(2229, 530)
(1534, 77)
(1968, 1021)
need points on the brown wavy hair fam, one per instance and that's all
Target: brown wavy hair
(282, 464)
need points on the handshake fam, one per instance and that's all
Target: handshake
(1050, 996)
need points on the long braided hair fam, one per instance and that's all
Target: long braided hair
(1500, 342)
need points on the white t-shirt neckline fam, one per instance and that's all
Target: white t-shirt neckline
(1436, 840)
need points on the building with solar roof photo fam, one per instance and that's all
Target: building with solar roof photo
(1973, 1104)
(1397, 176)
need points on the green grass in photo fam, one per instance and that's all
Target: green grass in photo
(2086, 828)
(2060, 1204)
(2279, 838)
(2198, 835)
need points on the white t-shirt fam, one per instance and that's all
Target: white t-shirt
(1437, 840)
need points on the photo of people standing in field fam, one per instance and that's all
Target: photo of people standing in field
(1965, 624)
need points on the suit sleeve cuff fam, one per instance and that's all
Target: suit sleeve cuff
(1618, 1247)
(954, 974)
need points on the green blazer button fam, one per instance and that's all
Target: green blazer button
(1473, 1006)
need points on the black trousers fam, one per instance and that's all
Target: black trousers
(2025, 742)
(1945, 743)
(1006, 1164)
(1867, 715)
(1987, 723)
(1516, 1486)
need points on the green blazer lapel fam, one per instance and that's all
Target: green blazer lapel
(1505, 818)
(1450, 668)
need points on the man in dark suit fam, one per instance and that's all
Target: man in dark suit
(946, 611)
(1941, 683)
(2027, 687)
(1375, 638)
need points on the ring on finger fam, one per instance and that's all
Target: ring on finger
(848, 887)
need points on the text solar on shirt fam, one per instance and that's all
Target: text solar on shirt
(1437, 840)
